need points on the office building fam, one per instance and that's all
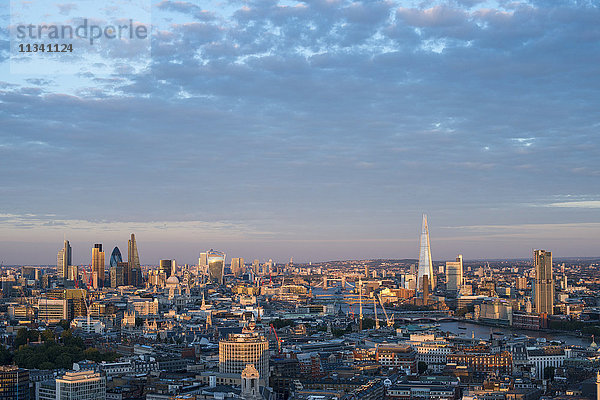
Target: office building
(14, 383)
(75, 300)
(115, 257)
(237, 266)
(81, 385)
(63, 260)
(216, 267)
(454, 276)
(97, 266)
(167, 267)
(202, 264)
(134, 272)
(544, 283)
(117, 274)
(425, 264)
(52, 311)
(241, 349)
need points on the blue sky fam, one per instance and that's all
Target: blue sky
(314, 129)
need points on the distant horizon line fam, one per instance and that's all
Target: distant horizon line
(568, 258)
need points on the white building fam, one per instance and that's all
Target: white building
(545, 357)
(91, 326)
(82, 385)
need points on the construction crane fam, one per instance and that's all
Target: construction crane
(360, 316)
(389, 321)
(277, 338)
(351, 311)
(375, 310)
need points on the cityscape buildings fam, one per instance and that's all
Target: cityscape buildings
(353, 329)
(237, 266)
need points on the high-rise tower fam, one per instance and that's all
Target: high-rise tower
(544, 283)
(454, 276)
(115, 257)
(425, 265)
(63, 260)
(98, 266)
(237, 266)
(216, 266)
(133, 262)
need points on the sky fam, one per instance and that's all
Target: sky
(317, 129)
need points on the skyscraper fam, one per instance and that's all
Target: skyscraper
(202, 264)
(167, 267)
(133, 263)
(425, 265)
(544, 283)
(118, 269)
(454, 276)
(237, 266)
(216, 266)
(63, 260)
(98, 266)
(115, 257)
(240, 349)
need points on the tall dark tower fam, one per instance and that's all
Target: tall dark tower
(544, 282)
(63, 260)
(133, 262)
(97, 266)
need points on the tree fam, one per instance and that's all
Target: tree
(368, 323)
(25, 336)
(549, 373)
(422, 367)
(5, 356)
(64, 324)
(47, 335)
(281, 323)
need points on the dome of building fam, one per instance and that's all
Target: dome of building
(173, 280)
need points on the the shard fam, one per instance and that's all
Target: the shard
(425, 265)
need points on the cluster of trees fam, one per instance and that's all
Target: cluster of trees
(587, 328)
(279, 323)
(45, 350)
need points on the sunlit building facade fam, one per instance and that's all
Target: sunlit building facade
(241, 349)
(544, 282)
(425, 264)
(216, 267)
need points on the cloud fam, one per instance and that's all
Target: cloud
(303, 119)
(576, 204)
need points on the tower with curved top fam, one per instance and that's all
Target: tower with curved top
(115, 257)
(216, 266)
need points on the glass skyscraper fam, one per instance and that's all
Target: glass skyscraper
(216, 266)
(425, 264)
(63, 260)
(115, 257)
